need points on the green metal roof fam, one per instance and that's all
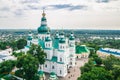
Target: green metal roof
(62, 40)
(43, 29)
(61, 50)
(56, 43)
(54, 59)
(71, 38)
(43, 19)
(52, 73)
(48, 39)
(62, 33)
(29, 38)
(81, 49)
(41, 43)
(27, 46)
(40, 72)
(48, 48)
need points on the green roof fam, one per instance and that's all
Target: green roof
(27, 46)
(43, 29)
(47, 39)
(81, 49)
(56, 43)
(62, 40)
(61, 50)
(53, 75)
(43, 19)
(54, 59)
(48, 48)
(29, 38)
(61, 33)
(71, 38)
(41, 43)
(40, 72)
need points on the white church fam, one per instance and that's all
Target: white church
(60, 49)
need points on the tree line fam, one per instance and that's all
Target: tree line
(26, 65)
(15, 45)
(101, 69)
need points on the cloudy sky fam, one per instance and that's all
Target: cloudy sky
(66, 14)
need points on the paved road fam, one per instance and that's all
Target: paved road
(75, 71)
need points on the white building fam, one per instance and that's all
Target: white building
(6, 55)
(60, 50)
(104, 52)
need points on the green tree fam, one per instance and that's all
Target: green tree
(110, 61)
(116, 72)
(38, 53)
(87, 67)
(18, 54)
(97, 73)
(29, 65)
(98, 60)
(7, 66)
(21, 43)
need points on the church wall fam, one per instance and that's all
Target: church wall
(62, 70)
(47, 66)
(49, 53)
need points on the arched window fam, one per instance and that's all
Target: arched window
(60, 72)
(60, 47)
(43, 38)
(60, 59)
(40, 67)
(63, 47)
(46, 65)
(53, 67)
(49, 45)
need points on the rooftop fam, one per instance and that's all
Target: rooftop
(110, 51)
(81, 49)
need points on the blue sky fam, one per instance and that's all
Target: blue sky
(67, 14)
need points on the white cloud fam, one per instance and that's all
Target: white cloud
(92, 14)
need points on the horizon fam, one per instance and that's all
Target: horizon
(68, 29)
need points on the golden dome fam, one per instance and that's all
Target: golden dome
(43, 14)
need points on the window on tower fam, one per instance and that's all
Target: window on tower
(60, 59)
(46, 65)
(60, 47)
(53, 67)
(40, 67)
(49, 45)
(60, 72)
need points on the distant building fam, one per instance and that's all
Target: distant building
(6, 55)
(104, 52)
(82, 51)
